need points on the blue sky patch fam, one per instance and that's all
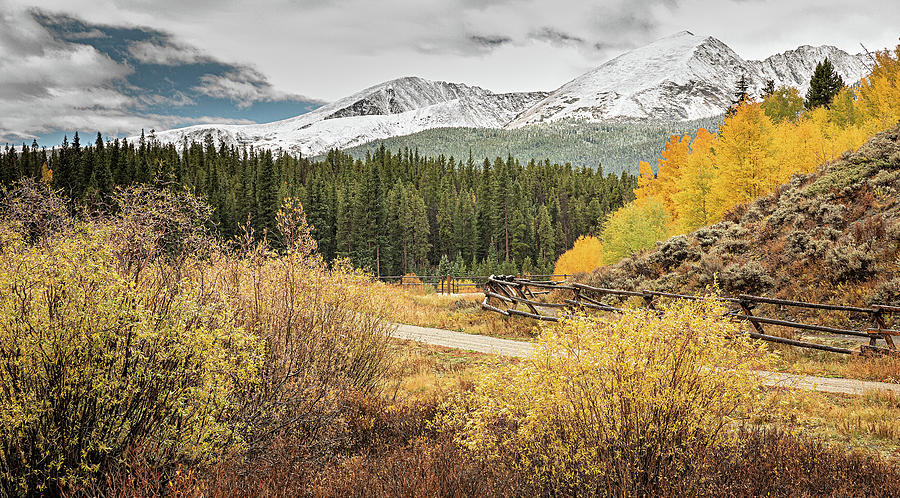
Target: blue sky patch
(173, 80)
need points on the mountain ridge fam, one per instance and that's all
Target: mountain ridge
(681, 77)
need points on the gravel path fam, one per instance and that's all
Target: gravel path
(506, 347)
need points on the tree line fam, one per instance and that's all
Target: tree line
(389, 212)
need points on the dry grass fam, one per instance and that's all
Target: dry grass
(868, 422)
(429, 374)
(824, 364)
(460, 312)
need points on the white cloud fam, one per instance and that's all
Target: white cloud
(332, 48)
(45, 81)
(244, 86)
(177, 99)
(168, 55)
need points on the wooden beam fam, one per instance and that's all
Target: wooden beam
(602, 290)
(801, 304)
(800, 344)
(804, 326)
(532, 315)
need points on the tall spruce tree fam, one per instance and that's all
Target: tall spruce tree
(740, 95)
(823, 86)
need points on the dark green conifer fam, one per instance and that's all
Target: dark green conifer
(823, 86)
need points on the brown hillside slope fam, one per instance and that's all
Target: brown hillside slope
(832, 236)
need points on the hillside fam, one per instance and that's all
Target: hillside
(832, 236)
(617, 145)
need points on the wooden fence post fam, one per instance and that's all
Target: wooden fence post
(746, 307)
(878, 321)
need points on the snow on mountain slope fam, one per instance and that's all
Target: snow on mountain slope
(796, 67)
(680, 77)
(397, 107)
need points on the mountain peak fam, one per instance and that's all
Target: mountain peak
(656, 81)
(681, 33)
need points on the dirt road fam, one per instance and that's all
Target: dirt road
(506, 347)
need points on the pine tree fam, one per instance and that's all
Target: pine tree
(102, 169)
(823, 86)
(267, 201)
(740, 95)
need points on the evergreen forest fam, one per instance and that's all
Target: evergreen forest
(392, 213)
(617, 145)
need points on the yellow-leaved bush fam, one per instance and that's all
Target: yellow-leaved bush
(633, 228)
(617, 404)
(138, 339)
(93, 363)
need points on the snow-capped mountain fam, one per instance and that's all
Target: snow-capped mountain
(397, 107)
(796, 67)
(680, 77)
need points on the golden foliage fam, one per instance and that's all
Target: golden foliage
(692, 190)
(761, 146)
(584, 256)
(612, 398)
(94, 360)
(879, 93)
(118, 335)
(745, 159)
(633, 228)
(46, 173)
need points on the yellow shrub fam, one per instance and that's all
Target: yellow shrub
(94, 363)
(613, 401)
(119, 343)
(584, 256)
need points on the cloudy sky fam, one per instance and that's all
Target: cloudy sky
(119, 66)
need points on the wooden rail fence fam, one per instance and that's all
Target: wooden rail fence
(504, 293)
(451, 284)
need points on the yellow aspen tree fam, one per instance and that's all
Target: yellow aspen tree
(746, 167)
(784, 104)
(692, 197)
(670, 165)
(801, 147)
(633, 228)
(584, 256)
(647, 186)
(879, 93)
(838, 137)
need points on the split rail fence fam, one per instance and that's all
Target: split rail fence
(450, 284)
(503, 294)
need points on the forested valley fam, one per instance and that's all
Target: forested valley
(390, 212)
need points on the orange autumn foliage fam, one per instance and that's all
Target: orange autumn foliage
(584, 256)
